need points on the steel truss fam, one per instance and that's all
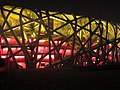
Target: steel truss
(92, 42)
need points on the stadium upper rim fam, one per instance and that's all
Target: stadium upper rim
(94, 9)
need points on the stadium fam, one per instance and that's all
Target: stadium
(35, 38)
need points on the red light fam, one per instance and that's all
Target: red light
(75, 51)
(3, 56)
(101, 63)
(110, 58)
(40, 49)
(68, 52)
(42, 42)
(14, 50)
(56, 43)
(93, 59)
(47, 58)
(64, 44)
(2, 40)
(20, 58)
(4, 51)
(12, 41)
(61, 51)
(22, 64)
(39, 56)
(93, 44)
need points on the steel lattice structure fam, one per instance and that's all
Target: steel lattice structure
(65, 39)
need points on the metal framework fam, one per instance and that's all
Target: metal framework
(69, 39)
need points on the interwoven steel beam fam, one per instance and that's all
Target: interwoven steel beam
(91, 41)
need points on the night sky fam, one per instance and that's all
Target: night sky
(105, 9)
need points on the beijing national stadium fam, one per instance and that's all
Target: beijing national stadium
(35, 38)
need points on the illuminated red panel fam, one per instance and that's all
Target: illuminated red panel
(3, 56)
(43, 49)
(68, 52)
(101, 63)
(95, 50)
(30, 40)
(20, 53)
(56, 43)
(2, 41)
(22, 64)
(40, 49)
(12, 41)
(47, 58)
(18, 48)
(14, 50)
(110, 45)
(4, 51)
(20, 58)
(54, 51)
(110, 53)
(110, 58)
(61, 51)
(42, 42)
(59, 42)
(34, 39)
(93, 44)
(64, 44)
(39, 56)
(11, 59)
(75, 51)
(94, 59)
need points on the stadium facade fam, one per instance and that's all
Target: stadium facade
(35, 38)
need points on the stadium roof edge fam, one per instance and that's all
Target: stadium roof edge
(79, 7)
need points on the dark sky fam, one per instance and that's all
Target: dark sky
(107, 9)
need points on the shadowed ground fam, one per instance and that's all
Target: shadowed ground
(63, 80)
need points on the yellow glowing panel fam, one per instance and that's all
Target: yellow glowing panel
(8, 7)
(31, 23)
